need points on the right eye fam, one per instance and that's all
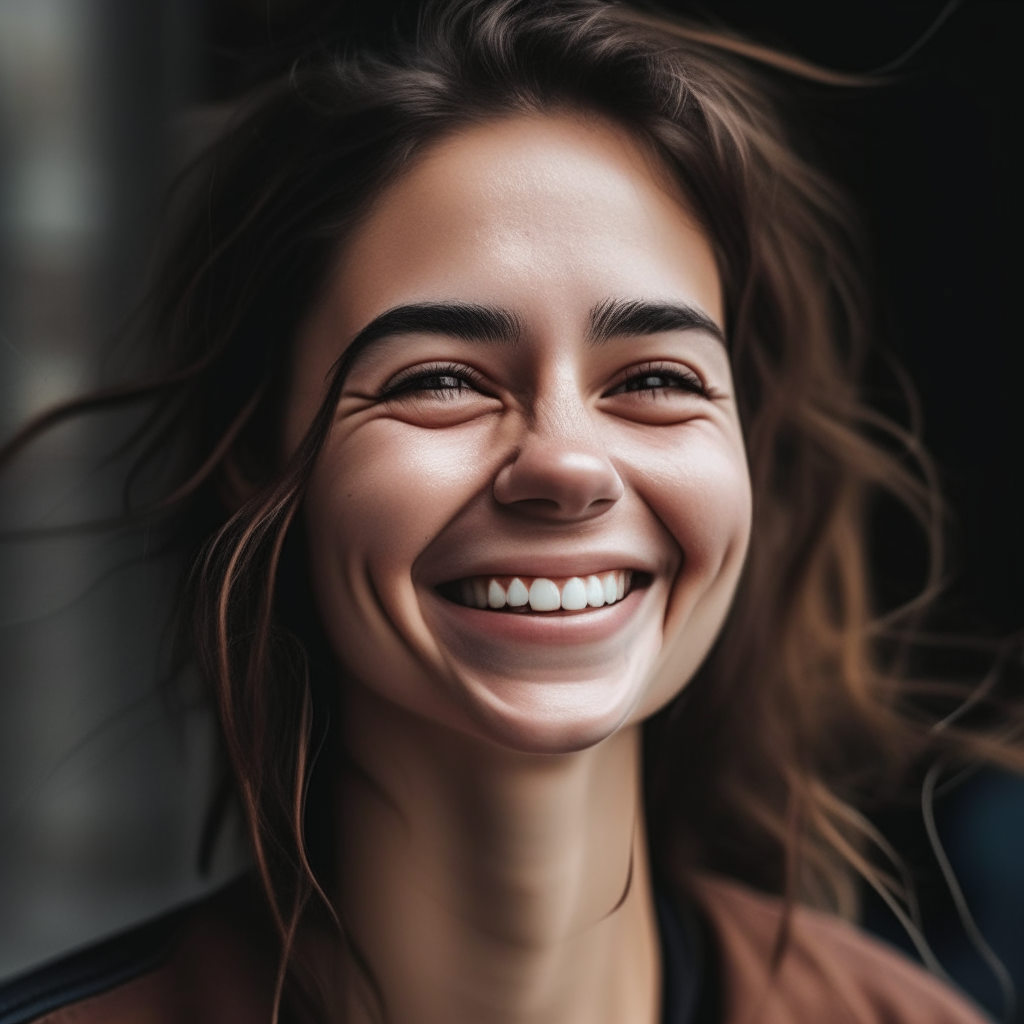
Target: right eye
(444, 383)
(438, 395)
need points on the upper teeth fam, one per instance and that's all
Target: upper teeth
(543, 594)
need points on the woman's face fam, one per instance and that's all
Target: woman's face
(535, 475)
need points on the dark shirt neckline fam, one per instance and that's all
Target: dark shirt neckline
(690, 989)
(93, 970)
(690, 977)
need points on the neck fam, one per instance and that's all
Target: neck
(478, 885)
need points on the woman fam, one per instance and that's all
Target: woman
(526, 472)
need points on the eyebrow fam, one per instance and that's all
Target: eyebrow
(616, 318)
(471, 322)
(454, 319)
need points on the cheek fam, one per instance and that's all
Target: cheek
(379, 495)
(700, 491)
(698, 485)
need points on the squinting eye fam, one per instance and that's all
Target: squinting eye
(443, 382)
(655, 381)
(436, 382)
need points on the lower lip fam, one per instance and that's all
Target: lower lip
(540, 627)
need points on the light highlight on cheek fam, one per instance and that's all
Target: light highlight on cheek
(711, 523)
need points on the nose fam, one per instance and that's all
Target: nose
(560, 471)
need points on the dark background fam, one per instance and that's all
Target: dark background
(930, 160)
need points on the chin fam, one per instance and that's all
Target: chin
(549, 686)
(553, 716)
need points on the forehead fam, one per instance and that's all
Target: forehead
(535, 213)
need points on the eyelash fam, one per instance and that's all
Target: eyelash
(463, 378)
(681, 380)
(416, 380)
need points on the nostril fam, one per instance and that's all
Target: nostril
(541, 508)
(558, 483)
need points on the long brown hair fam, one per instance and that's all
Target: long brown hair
(804, 704)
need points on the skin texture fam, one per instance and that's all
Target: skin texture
(494, 864)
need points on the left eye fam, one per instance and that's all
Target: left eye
(659, 380)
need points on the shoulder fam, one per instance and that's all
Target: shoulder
(206, 963)
(831, 971)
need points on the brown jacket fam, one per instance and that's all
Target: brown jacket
(831, 974)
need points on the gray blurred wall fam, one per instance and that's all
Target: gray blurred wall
(101, 790)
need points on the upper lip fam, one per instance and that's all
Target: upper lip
(548, 566)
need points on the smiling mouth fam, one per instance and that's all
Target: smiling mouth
(542, 594)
